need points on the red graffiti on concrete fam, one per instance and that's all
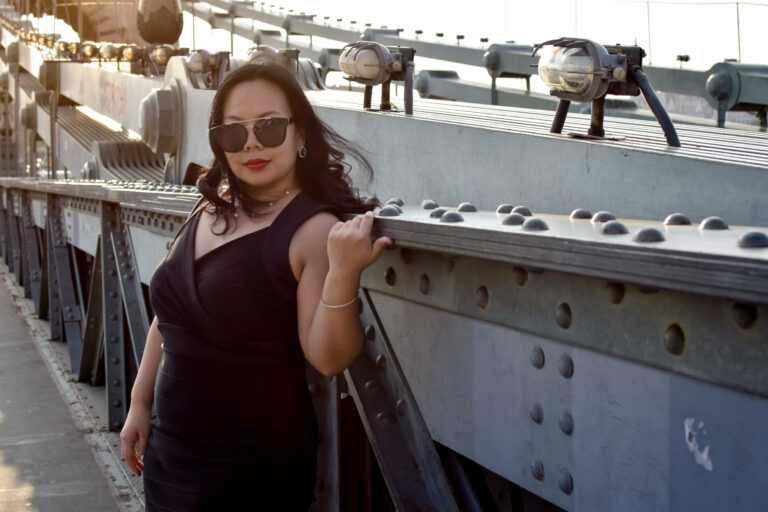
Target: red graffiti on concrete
(115, 99)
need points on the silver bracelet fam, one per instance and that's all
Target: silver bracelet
(340, 306)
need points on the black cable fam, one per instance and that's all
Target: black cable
(656, 107)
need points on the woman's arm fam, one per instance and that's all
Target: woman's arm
(331, 256)
(136, 428)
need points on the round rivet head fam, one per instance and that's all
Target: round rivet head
(564, 315)
(614, 227)
(565, 366)
(370, 333)
(536, 413)
(385, 418)
(602, 217)
(535, 224)
(437, 213)
(451, 217)
(513, 219)
(566, 423)
(504, 208)
(647, 235)
(745, 315)
(674, 340)
(428, 204)
(116, 403)
(115, 360)
(677, 219)
(396, 201)
(581, 213)
(565, 482)
(467, 207)
(381, 362)
(537, 357)
(522, 210)
(753, 240)
(116, 425)
(401, 407)
(116, 383)
(537, 470)
(711, 223)
(389, 211)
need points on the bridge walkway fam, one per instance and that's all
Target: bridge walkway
(54, 454)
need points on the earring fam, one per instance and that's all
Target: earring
(302, 152)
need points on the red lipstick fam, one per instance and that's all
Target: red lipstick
(256, 164)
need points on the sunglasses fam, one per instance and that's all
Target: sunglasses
(270, 132)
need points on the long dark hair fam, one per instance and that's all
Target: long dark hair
(323, 174)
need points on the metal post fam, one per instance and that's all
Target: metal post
(386, 104)
(367, 96)
(559, 120)
(598, 114)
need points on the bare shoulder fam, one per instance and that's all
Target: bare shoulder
(310, 239)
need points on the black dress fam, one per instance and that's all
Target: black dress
(235, 428)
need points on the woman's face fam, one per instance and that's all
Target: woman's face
(266, 172)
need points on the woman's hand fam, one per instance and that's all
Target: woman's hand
(136, 429)
(350, 249)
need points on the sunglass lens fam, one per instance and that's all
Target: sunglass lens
(271, 132)
(231, 137)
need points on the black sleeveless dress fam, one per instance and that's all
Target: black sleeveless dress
(234, 428)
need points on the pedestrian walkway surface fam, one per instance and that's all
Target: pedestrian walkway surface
(46, 463)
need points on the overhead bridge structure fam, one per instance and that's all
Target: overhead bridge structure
(564, 321)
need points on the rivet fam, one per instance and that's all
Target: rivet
(370, 333)
(113, 339)
(536, 413)
(745, 315)
(520, 275)
(116, 383)
(390, 277)
(451, 217)
(400, 406)
(389, 211)
(374, 388)
(537, 470)
(713, 223)
(602, 216)
(482, 297)
(115, 360)
(396, 201)
(648, 235)
(674, 340)
(385, 418)
(437, 213)
(535, 224)
(565, 482)
(615, 292)
(504, 208)
(677, 219)
(381, 362)
(537, 357)
(513, 219)
(614, 227)
(580, 213)
(565, 366)
(522, 210)
(424, 284)
(128, 276)
(113, 295)
(428, 204)
(466, 207)
(406, 255)
(113, 318)
(564, 315)
(116, 425)
(566, 423)
(313, 390)
(116, 403)
(753, 240)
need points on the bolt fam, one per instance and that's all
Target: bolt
(385, 418)
(374, 388)
(674, 340)
(370, 332)
(564, 315)
(565, 366)
(537, 470)
(537, 357)
(537, 413)
(381, 362)
(565, 482)
(401, 407)
(566, 423)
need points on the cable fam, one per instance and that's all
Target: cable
(656, 107)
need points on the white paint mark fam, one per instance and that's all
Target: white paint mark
(691, 439)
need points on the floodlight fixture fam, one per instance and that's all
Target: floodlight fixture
(584, 71)
(162, 54)
(90, 50)
(374, 64)
(108, 52)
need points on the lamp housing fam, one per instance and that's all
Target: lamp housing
(371, 63)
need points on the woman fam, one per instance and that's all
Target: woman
(263, 279)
